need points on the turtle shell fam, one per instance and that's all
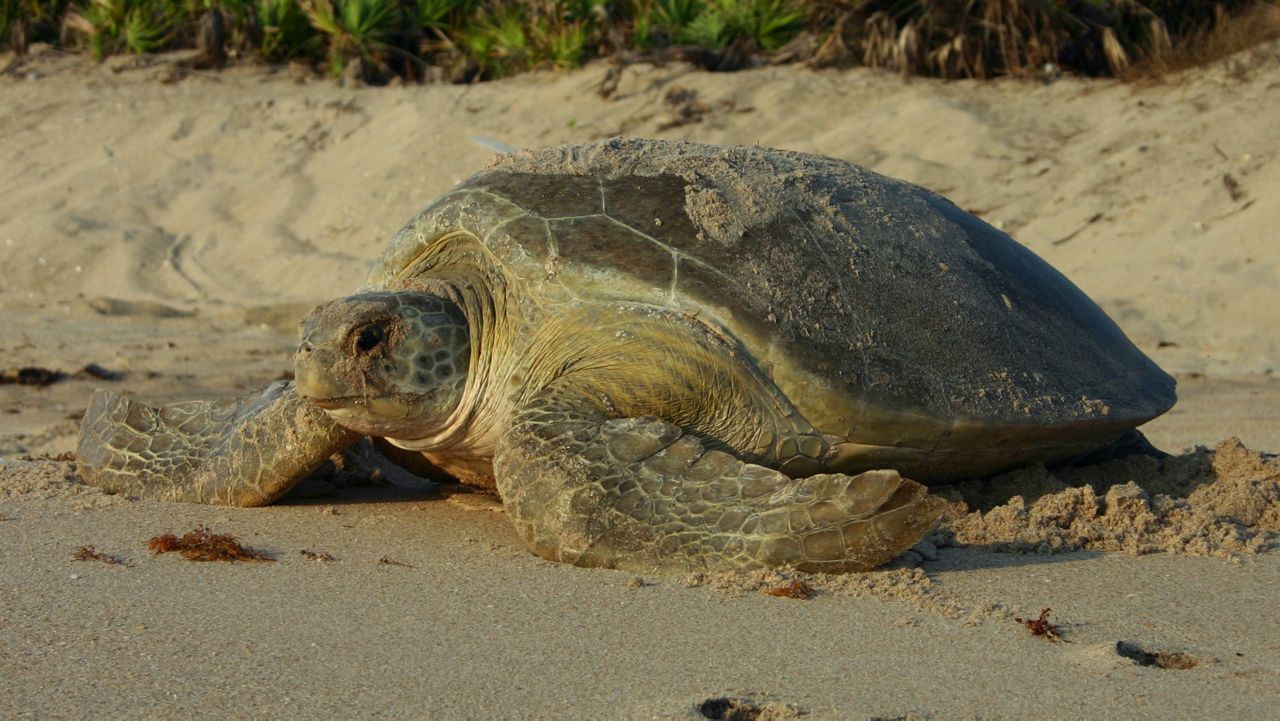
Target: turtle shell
(885, 313)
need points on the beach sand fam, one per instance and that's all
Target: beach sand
(172, 230)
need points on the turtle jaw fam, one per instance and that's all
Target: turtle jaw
(346, 405)
(365, 408)
(329, 404)
(315, 386)
(371, 416)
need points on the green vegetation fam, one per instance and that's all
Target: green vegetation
(469, 40)
(506, 38)
(354, 30)
(284, 31)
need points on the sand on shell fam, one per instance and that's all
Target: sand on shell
(176, 232)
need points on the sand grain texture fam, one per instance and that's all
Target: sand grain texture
(1220, 503)
(175, 232)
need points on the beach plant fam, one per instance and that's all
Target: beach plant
(986, 38)
(1198, 37)
(497, 43)
(733, 31)
(959, 38)
(442, 21)
(658, 23)
(435, 33)
(110, 26)
(439, 14)
(214, 27)
(25, 21)
(559, 30)
(146, 27)
(768, 24)
(284, 32)
(641, 27)
(707, 30)
(241, 17)
(560, 44)
(752, 25)
(506, 38)
(675, 15)
(357, 30)
(482, 39)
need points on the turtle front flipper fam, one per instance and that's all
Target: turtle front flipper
(247, 451)
(640, 493)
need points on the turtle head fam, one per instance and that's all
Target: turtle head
(385, 364)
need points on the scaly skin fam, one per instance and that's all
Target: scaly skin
(641, 494)
(244, 452)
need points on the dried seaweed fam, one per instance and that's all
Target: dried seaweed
(201, 545)
(796, 589)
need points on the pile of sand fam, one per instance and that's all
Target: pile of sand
(1221, 502)
(49, 479)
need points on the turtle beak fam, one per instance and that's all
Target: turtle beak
(317, 358)
(310, 378)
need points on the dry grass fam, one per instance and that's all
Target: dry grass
(1032, 38)
(1225, 41)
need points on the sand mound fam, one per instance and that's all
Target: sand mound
(46, 479)
(1222, 503)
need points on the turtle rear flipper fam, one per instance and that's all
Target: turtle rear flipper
(247, 451)
(641, 494)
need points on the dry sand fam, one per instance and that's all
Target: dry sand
(174, 232)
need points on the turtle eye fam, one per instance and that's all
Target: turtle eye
(369, 338)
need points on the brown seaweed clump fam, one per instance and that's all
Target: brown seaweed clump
(201, 545)
(795, 589)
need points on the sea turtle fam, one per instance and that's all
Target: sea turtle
(668, 355)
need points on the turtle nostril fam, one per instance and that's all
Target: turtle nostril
(369, 338)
